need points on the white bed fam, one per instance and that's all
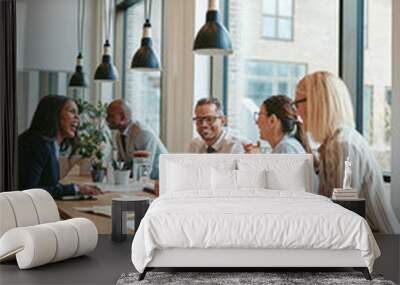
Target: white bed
(247, 211)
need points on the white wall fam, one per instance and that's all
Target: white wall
(21, 12)
(178, 73)
(47, 29)
(47, 35)
(185, 75)
(47, 42)
(395, 184)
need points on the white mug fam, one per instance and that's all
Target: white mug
(121, 177)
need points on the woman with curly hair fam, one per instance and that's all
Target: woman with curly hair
(56, 120)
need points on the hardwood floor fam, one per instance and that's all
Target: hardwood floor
(111, 259)
(389, 262)
(102, 266)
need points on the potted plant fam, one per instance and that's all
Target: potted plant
(98, 170)
(93, 136)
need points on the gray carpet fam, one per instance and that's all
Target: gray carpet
(229, 278)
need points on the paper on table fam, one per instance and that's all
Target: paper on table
(131, 187)
(99, 210)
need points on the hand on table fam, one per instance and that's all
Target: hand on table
(157, 188)
(89, 190)
(250, 148)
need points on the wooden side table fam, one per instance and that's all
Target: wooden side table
(355, 205)
(119, 209)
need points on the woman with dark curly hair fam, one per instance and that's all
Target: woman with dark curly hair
(56, 120)
(279, 125)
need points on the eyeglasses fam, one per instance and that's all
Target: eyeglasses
(208, 119)
(257, 116)
(297, 102)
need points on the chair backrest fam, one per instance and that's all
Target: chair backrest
(26, 208)
(282, 171)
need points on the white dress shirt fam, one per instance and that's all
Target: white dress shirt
(226, 143)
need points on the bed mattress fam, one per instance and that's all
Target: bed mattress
(250, 219)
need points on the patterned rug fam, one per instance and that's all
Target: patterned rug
(230, 278)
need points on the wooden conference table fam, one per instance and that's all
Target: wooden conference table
(102, 204)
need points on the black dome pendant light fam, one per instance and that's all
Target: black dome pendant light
(213, 38)
(106, 71)
(78, 78)
(145, 58)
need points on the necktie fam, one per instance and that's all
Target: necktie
(210, 149)
(123, 142)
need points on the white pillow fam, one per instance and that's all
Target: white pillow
(188, 177)
(224, 179)
(290, 179)
(251, 178)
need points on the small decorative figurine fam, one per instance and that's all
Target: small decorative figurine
(347, 175)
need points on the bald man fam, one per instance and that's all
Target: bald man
(133, 136)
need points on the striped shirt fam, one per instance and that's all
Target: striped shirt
(366, 176)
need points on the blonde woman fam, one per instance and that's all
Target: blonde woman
(323, 102)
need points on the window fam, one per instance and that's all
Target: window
(388, 116)
(378, 77)
(142, 90)
(388, 96)
(266, 78)
(259, 69)
(368, 112)
(277, 19)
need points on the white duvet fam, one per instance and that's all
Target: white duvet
(250, 219)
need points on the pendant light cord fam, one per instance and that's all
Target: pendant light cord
(211, 76)
(107, 17)
(147, 9)
(80, 24)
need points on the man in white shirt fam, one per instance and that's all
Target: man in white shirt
(210, 122)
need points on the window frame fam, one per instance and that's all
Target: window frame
(275, 79)
(351, 54)
(276, 17)
(372, 89)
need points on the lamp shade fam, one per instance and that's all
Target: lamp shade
(106, 71)
(145, 58)
(213, 38)
(78, 78)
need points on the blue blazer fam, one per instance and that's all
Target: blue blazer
(38, 166)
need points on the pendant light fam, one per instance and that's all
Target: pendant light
(106, 71)
(78, 78)
(213, 38)
(145, 58)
